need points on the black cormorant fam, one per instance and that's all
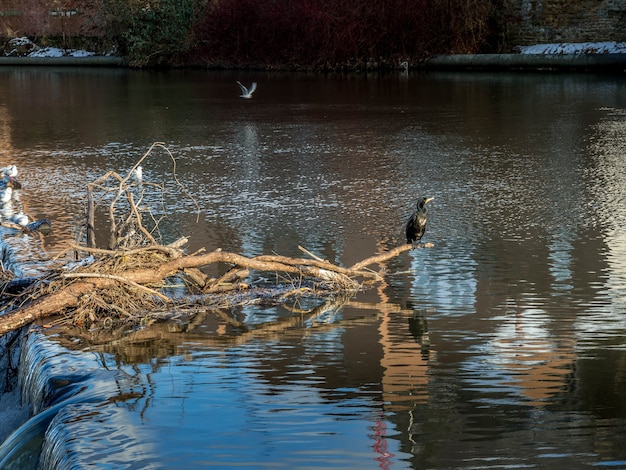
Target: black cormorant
(416, 226)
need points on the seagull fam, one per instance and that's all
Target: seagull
(6, 194)
(9, 176)
(10, 171)
(20, 219)
(245, 92)
(138, 173)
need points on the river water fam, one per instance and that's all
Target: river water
(502, 346)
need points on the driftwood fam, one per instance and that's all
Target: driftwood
(80, 284)
(129, 279)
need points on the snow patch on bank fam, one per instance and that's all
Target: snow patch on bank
(24, 47)
(609, 47)
(56, 52)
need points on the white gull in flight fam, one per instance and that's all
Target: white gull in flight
(247, 92)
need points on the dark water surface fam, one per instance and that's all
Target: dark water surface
(503, 346)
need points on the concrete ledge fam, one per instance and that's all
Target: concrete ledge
(93, 61)
(581, 62)
(615, 63)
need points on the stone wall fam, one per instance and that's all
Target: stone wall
(529, 22)
(41, 18)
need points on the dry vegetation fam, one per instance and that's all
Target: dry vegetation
(331, 35)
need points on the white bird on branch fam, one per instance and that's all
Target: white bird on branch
(8, 177)
(20, 219)
(138, 173)
(6, 194)
(9, 171)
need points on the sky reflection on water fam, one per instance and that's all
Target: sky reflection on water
(482, 352)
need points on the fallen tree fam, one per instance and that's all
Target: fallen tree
(89, 288)
(129, 279)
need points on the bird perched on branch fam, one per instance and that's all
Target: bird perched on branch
(9, 171)
(416, 225)
(6, 195)
(247, 92)
(138, 174)
(20, 219)
(9, 177)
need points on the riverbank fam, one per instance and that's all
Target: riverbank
(94, 61)
(614, 63)
(606, 57)
(607, 63)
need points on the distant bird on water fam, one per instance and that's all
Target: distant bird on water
(416, 225)
(246, 92)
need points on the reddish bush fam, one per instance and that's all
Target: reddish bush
(322, 33)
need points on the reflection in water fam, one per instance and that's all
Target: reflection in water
(609, 202)
(481, 352)
(405, 360)
(524, 358)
